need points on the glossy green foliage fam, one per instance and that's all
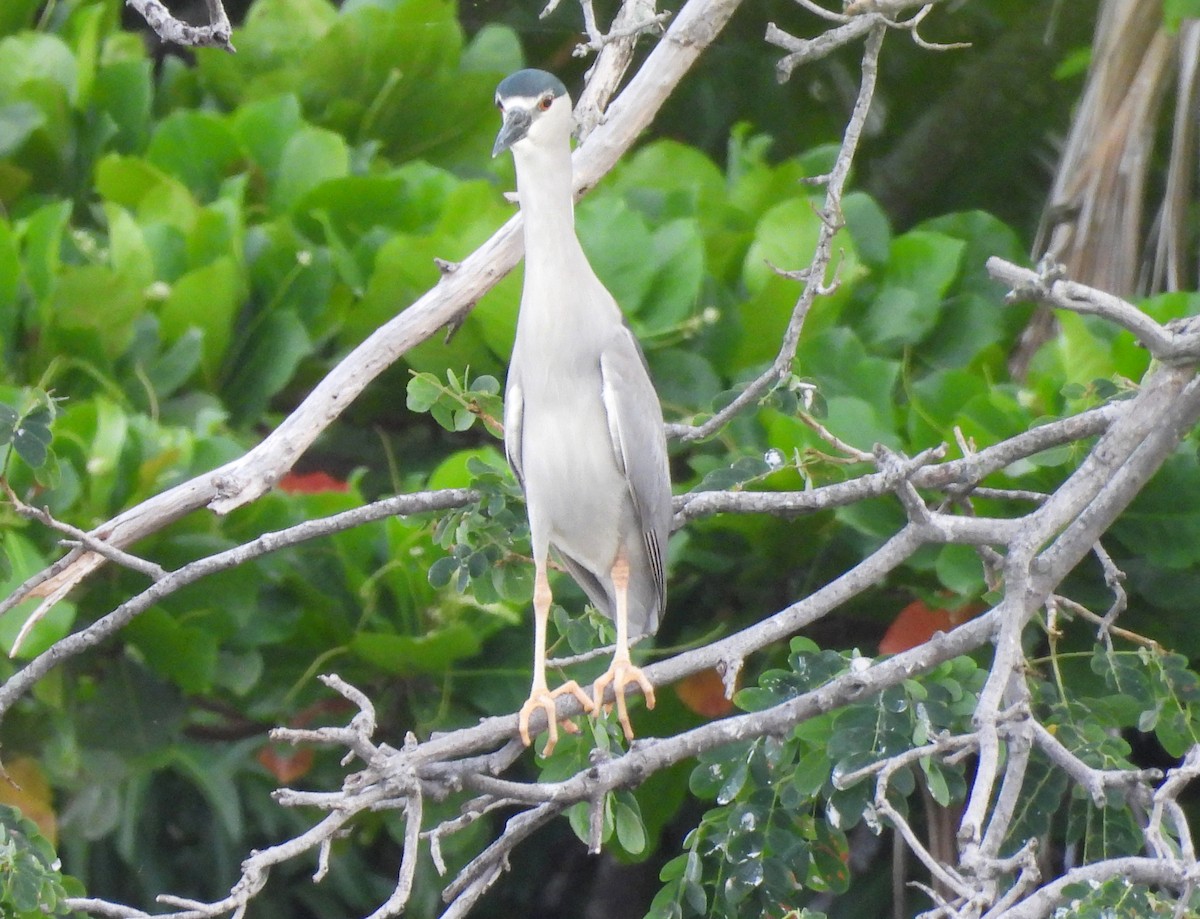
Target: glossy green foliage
(1117, 898)
(25, 430)
(785, 804)
(458, 403)
(31, 881)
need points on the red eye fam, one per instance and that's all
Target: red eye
(545, 102)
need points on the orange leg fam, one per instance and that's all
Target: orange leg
(540, 696)
(621, 672)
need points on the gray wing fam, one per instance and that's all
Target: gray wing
(514, 419)
(635, 424)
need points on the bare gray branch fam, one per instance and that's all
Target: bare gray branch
(216, 34)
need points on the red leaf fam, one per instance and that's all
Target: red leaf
(704, 693)
(917, 623)
(308, 483)
(285, 766)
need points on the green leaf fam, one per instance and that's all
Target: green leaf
(424, 389)
(17, 14)
(667, 179)
(35, 56)
(86, 27)
(31, 883)
(407, 91)
(868, 225)
(239, 673)
(620, 247)
(43, 236)
(145, 189)
(494, 49)
(10, 280)
(132, 711)
(1176, 11)
(715, 768)
(1124, 673)
(265, 126)
(455, 470)
(1162, 524)
(405, 655)
(182, 653)
(959, 569)
(310, 156)
(935, 781)
(1104, 832)
(123, 92)
(31, 441)
(175, 366)
(678, 253)
(811, 773)
(206, 299)
(741, 881)
(197, 148)
(103, 427)
(129, 252)
(696, 897)
(734, 780)
(840, 361)
(79, 325)
(830, 857)
(785, 237)
(273, 42)
(740, 472)
(278, 343)
(1083, 348)
(859, 424)
(936, 401)
(213, 774)
(442, 570)
(921, 265)
(631, 833)
(683, 377)
(992, 417)
(18, 122)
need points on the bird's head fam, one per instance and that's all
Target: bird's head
(536, 109)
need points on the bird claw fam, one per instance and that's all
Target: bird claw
(546, 700)
(620, 675)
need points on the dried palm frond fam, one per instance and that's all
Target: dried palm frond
(1094, 223)
(1170, 268)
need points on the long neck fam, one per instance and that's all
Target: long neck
(544, 189)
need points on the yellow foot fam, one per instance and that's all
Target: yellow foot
(621, 674)
(545, 700)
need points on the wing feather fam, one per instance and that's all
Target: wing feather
(635, 427)
(514, 418)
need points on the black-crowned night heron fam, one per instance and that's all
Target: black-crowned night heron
(583, 428)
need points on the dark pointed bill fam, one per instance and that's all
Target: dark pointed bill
(516, 125)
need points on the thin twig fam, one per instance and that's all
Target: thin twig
(781, 366)
(43, 516)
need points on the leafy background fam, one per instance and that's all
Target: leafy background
(189, 241)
